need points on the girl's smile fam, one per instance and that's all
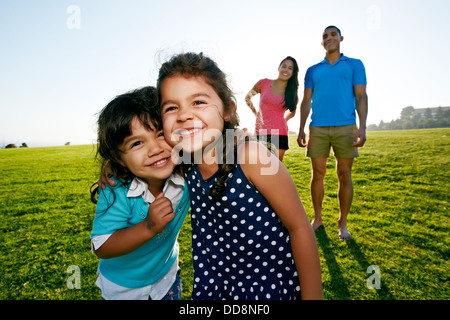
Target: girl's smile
(188, 133)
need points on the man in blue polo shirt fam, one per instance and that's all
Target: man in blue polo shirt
(335, 90)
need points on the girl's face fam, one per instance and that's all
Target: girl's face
(193, 114)
(285, 70)
(146, 153)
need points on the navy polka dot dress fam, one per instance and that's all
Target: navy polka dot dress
(241, 250)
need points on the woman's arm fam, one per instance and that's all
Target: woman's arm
(248, 98)
(290, 115)
(267, 174)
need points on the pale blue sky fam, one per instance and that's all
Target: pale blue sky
(59, 67)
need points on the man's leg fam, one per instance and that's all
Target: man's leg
(345, 194)
(319, 168)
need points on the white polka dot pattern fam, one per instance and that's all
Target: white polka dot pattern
(241, 250)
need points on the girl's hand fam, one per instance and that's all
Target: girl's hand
(243, 134)
(104, 177)
(160, 213)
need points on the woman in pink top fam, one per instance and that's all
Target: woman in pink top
(277, 97)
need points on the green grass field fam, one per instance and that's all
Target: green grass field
(399, 221)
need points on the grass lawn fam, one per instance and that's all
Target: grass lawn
(399, 221)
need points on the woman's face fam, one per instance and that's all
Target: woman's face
(285, 70)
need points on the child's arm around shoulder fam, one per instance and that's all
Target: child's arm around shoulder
(275, 183)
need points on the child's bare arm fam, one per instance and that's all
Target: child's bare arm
(124, 241)
(267, 174)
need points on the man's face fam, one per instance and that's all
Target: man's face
(331, 40)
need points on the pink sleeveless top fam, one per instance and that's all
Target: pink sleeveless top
(270, 117)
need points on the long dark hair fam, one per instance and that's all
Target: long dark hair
(291, 92)
(198, 65)
(114, 125)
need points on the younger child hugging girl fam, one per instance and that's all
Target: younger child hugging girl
(137, 220)
(251, 238)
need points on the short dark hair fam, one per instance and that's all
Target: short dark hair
(114, 125)
(335, 28)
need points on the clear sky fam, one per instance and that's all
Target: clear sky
(62, 61)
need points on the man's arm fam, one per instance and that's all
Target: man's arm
(305, 108)
(362, 110)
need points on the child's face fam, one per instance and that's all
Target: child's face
(192, 112)
(146, 153)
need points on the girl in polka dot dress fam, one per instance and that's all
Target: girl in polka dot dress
(251, 238)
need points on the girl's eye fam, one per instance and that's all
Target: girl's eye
(199, 103)
(169, 109)
(160, 134)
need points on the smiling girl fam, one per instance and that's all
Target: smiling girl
(248, 242)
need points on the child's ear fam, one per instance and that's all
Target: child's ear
(231, 110)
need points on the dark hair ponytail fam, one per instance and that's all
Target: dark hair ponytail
(291, 92)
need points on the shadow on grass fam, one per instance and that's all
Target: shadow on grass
(383, 293)
(338, 286)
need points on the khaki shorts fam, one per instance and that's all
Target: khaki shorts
(340, 138)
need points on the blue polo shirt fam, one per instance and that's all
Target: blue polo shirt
(333, 99)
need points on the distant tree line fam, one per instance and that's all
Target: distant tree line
(411, 118)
